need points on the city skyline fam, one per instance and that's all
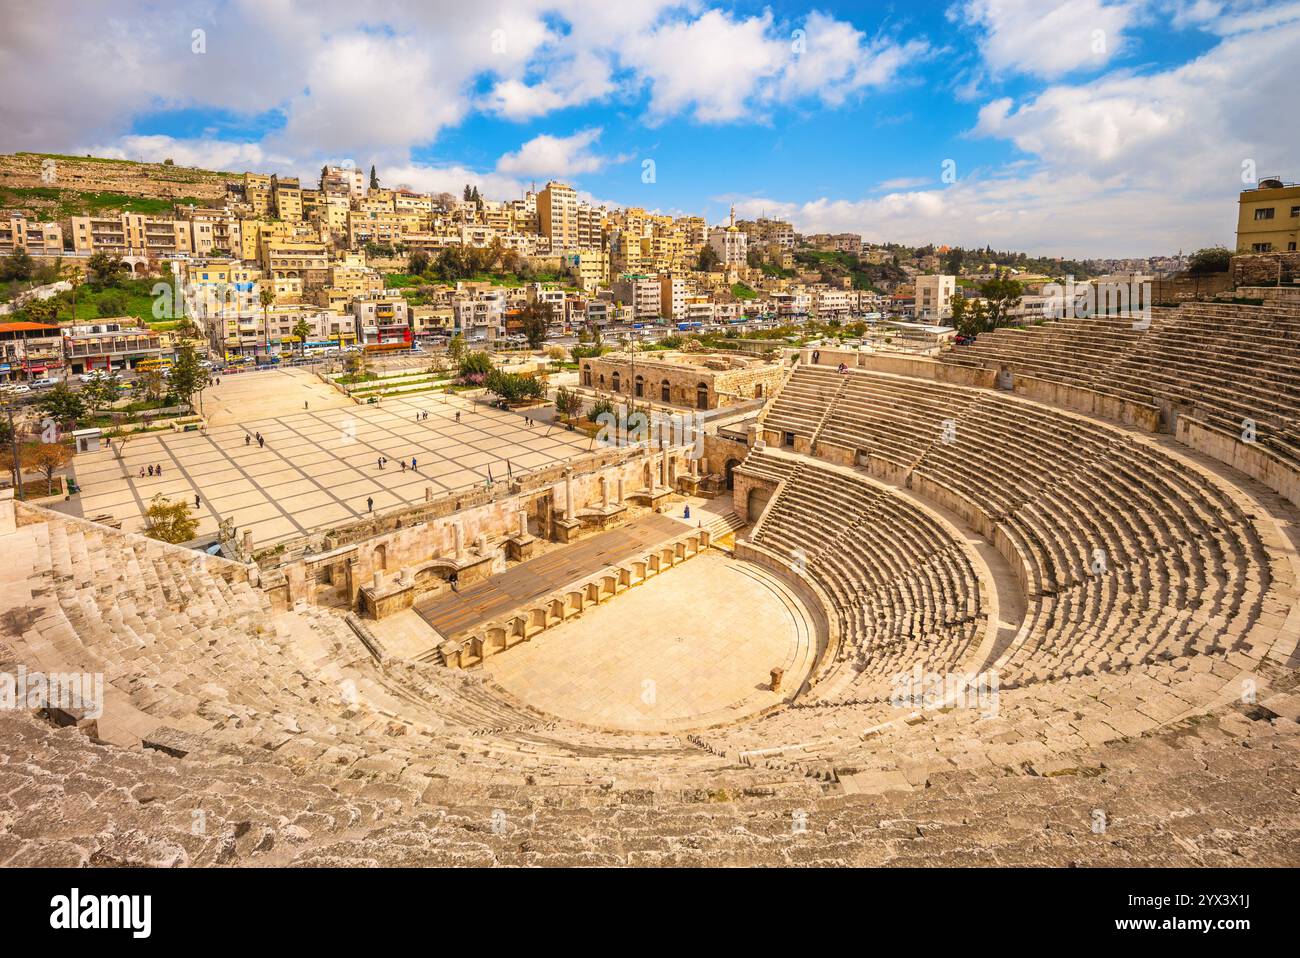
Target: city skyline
(971, 123)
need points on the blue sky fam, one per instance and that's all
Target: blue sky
(1078, 128)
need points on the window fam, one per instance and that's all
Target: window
(1262, 248)
(1295, 211)
(665, 392)
(1290, 247)
(1264, 213)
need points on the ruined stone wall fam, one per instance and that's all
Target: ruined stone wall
(1262, 269)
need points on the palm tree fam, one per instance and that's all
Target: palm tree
(301, 331)
(266, 296)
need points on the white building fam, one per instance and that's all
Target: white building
(731, 245)
(934, 297)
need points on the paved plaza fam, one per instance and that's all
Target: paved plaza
(693, 646)
(319, 464)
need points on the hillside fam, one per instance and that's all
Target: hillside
(85, 185)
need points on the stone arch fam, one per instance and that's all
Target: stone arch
(731, 479)
(586, 376)
(702, 396)
(381, 558)
(757, 502)
(639, 386)
(665, 391)
(614, 382)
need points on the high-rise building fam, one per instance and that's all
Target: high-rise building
(557, 216)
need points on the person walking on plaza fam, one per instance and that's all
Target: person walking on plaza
(247, 439)
(151, 472)
(412, 462)
(157, 470)
(197, 503)
(370, 503)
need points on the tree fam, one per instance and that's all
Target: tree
(374, 178)
(536, 319)
(47, 458)
(40, 311)
(567, 402)
(709, 260)
(958, 311)
(952, 261)
(475, 363)
(557, 354)
(103, 270)
(514, 387)
(418, 263)
(188, 378)
(266, 296)
(18, 266)
(301, 330)
(456, 348)
(149, 384)
(169, 521)
(1001, 296)
(1214, 259)
(118, 436)
(62, 403)
(187, 329)
(111, 304)
(101, 391)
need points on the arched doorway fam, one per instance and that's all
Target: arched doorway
(665, 392)
(731, 465)
(586, 376)
(758, 499)
(702, 396)
(639, 386)
(758, 391)
(613, 381)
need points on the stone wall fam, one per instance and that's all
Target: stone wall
(1172, 290)
(724, 387)
(1263, 269)
(1251, 458)
(429, 541)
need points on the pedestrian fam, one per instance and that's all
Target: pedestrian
(412, 462)
(142, 472)
(304, 404)
(197, 504)
(370, 503)
(151, 472)
(458, 416)
(247, 439)
(403, 462)
(157, 471)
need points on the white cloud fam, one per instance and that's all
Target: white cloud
(206, 154)
(547, 155)
(1028, 36)
(1125, 165)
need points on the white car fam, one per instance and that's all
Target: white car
(17, 388)
(42, 383)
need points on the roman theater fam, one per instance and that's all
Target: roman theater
(1030, 601)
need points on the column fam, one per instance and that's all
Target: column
(620, 489)
(460, 542)
(604, 493)
(568, 495)
(523, 523)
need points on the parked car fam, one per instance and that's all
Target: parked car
(42, 383)
(17, 388)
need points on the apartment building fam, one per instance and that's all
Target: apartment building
(131, 234)
(641, 293)
(557, 216)
(479, 311)
(296, 259)
(212, 229)
(589, 268)
(111, 344)
(1268, 217)
(29, 350)
(829, 303)
(37, 239)
(347, 181)
(672, 297)
(934, 297)
(264, 333)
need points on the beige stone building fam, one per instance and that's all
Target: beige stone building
(692, 380)
(1268, 217)
(38, 239)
